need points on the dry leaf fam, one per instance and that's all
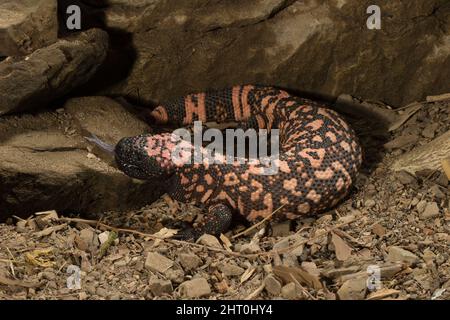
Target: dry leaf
(341, 248)
(299, 274)
(40, 258)
(164, 233)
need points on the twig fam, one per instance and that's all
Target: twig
(236, 254)
(256, 225)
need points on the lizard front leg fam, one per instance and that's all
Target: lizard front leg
(215, 222)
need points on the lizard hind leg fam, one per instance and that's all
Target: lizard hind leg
(216, 221)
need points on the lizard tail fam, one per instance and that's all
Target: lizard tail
(110, 149)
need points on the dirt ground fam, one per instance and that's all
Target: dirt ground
(393, 227)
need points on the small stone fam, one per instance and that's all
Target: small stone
(175, 274)
(103, 237)
(195, 288)
(190, 261)
(428, 255)
(436, 192)
(290, 291)
(157, 263)
(272, 285)
(353, 289)
(442, 180)
(88, 240)
(230, 270)
(159, 286)
(281, 229)
(311, 268)
(102, 292)
(378, 229)
(250, 248)
(369, 203)
(82, 295)
(431, 210)
(421, 206)
(399, 254)
(49, 275)
(210, 241)
(430, 130)
(405, 178)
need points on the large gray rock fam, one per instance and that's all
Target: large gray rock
(27, 25)
(49, 73)
(45, 163)
(317, 46)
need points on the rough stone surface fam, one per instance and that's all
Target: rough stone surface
(190, 261)
(353, 289)
(159, 286)
(209, 240)
(49, 73)
(45, 163)
(157, 263)
(431, 210)
(230, 270)
(272, 285)
(185, 46)
(399, 254)
(195, 288)
(27, 25)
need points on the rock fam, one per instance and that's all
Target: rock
(159, 287)
(290, 291)
(230, 270)
(27, 25)
(405, 178)
(88, 240)
(157, 263)
(369, 203)
(175, 274)
(399, 254)
(401, 141)
(428, 255)
(429, 130)
(60, 175)
(421, 206)
(210, 241)
(51, 72)
(353, 289)
(195, 288)
(281, 229)
(278, 42)
(431, 210)
(436, 192)
(102, 292)
(378, 229)
(250, 248)
(272, 285)
(190, 261)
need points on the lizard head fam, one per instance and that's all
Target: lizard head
(145, 156)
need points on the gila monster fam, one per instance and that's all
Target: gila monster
(318, 161)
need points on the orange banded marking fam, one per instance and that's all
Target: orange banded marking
(192, 108)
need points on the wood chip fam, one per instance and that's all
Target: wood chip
(341, 248)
